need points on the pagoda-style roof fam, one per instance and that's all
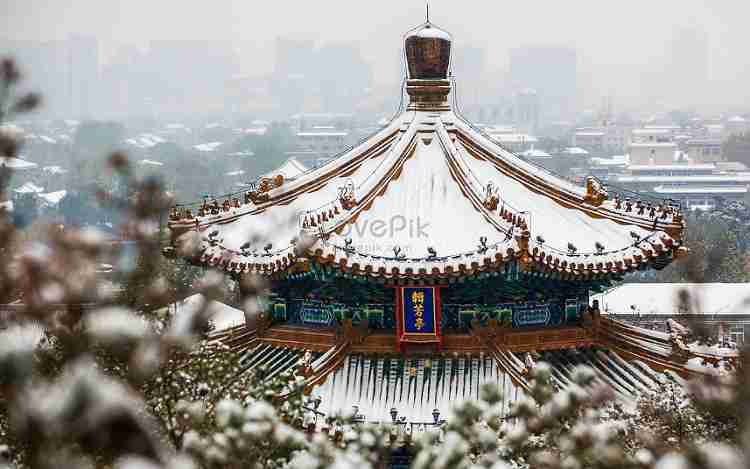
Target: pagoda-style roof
(428, 200)
(430, 196)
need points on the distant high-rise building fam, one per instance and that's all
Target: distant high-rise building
(289, 84)
(293, 56)
(526, 110)
(189, 74)
(65, 72)
(552, 73)
(686, 67)
(469, 69)
(84, 79)
(331, 78)
(342, 76)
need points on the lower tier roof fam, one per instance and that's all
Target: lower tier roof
(350, 368)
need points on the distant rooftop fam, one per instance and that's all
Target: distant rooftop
(701, 190)
(652, 144)
(322, 134)
(662, 298)
(513, 138)
(672, 167)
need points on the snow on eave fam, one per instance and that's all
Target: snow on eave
(662, 298)
(222, 315)
(291, 169)
(17, 163)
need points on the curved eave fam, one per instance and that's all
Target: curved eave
(659, 243)
(564, 193)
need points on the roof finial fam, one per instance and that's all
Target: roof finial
(428, 10)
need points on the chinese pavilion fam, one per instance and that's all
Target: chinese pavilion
(428, 260)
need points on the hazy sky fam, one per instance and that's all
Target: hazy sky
(616, 40)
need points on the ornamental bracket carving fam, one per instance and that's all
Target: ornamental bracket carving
(595, 192)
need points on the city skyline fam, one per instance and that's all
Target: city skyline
(632, 65)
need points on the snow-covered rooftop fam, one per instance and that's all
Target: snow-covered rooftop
(17, 164)
(662, 298)
(29, 188)
(208, 147)
(150, 163)
(701, 190)
(513, 138)
(145, 140)
(656, 131)
(255, 130)
(222, 316)
(54, 170)
(291, 169)
(717, 178)
(322, 134)
(575, 151)
(672, 167)
(653, 144)
(617, 160)
(534, 153)
(53, 198)
(242, 153)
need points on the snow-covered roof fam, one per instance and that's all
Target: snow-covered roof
(17, 164)
(672, 167)
(255, 130)
(432, 170)
(146, 140)
(575, 151)
(242, 153)
(29, 188)
(656, 131)
(48, 139)
(662, 298)
(704, 142)
(291, 169)
(150, 163)
(701, 190)
(54, 170)
(617, 160)
(53, 198)
(513, 138)
(698, 179)
(222, 316)
(653, 144)
(534, 153)
(322, 134)
(208, 147)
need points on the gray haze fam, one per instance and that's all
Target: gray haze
(622, 47)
